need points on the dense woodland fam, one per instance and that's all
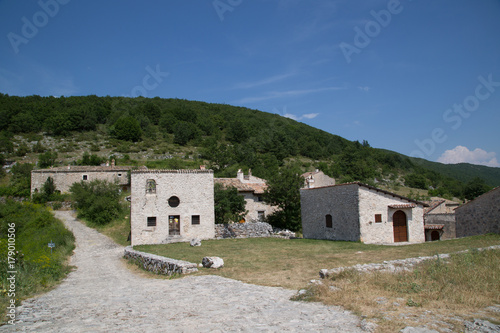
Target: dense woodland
(228, 138)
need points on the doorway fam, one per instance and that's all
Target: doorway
(174, 225)
(400, 227)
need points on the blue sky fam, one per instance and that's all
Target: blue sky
(419, 77)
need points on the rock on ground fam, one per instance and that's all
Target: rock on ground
(212, 262)
(102, 295)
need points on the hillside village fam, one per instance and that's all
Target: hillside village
(178, 205)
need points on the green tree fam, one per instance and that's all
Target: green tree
(47, 159)
(96, 201)
(127, 128)
(229, 205)
(20, 182)
(475, 188)
(284, 191)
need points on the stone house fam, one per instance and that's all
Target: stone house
(479, 216)
(252, 189)
(66, 176)
(317, 179)
(171, 206)
(360, 212)
(439, 219)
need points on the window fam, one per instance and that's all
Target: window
(259, 198)
(150, 186)
(85, 177)
(378, 218)
(173, 201)
(151, 221)
(119, 175)
(261, 215)
(195, 219)
(329, 223)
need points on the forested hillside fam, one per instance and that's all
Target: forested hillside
(225, 136)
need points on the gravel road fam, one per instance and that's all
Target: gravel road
(102, 295)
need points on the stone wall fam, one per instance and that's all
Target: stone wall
(254, 206)
(341, 202)
(159, 264)
(195, 191)
(479, 216)
(243, 230)
(448, 220)
(372, 201)
(64, 177)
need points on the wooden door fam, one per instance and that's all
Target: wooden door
(434, 235)
(399, 226)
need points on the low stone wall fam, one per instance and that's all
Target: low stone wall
(243, 230)
(159, 264)
(393, 266)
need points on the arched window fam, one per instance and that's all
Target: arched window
(150, 186)
(328, 219)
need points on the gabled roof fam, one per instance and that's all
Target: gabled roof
(371, 188)
(256, 188)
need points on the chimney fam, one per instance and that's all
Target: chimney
(113, 162)
(249, 172)
(202, 167)
(239, 175)
(107, 163)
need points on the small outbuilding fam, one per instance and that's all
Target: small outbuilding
(479, 216)
(360, 212)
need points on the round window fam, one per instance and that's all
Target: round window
(173, 201)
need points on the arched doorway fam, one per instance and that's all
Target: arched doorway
(434, 235)
(400, 227)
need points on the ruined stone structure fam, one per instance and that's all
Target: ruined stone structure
(251, 188)
(359, 212)
(479, 216)
(66, 176)
(439, 220)
(171, 206)
(317, 179)
(243, 230)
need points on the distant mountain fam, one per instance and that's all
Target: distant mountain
(463, 172)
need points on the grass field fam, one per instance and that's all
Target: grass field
(292, 263)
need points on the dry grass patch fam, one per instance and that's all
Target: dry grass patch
(437, 293)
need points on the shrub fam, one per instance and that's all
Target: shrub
(97, 201)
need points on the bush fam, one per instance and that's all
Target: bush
(97, 201)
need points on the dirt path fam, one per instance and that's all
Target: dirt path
(102, 295)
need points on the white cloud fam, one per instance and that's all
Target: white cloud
(272, 79)
(364, 88)
(461, 154)
(294, 116)
(281, 94)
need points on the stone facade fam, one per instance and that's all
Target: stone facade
(251, 188)
(66, 176)
(243, 230)
(171, 206)
(317, 179)
(359, 212)
(479, 216)
(444, 224)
